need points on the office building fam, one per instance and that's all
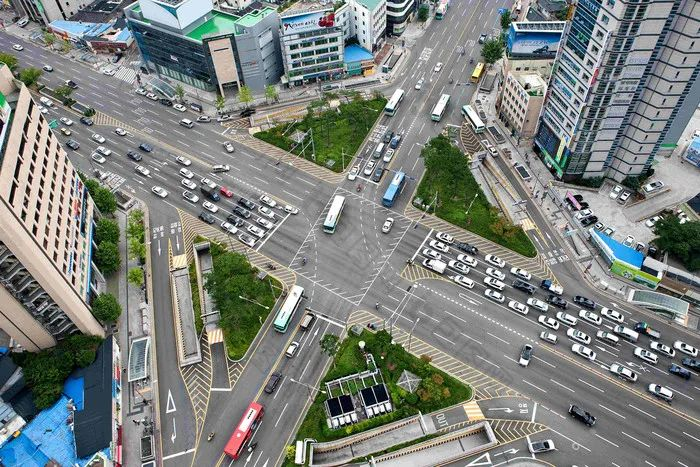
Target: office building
(398, 14)
(521, 102)
(47, 279)
(189, 41)
(368, 22)
(45, 11)
(624, 87)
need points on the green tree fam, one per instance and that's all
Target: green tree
(106, 230)
(89, 112)
(271, 93)
(137, 249)
(219, 103)
(9, 60)
(330, 343)
(49, 38)
(180, 92)
(106, 308)
(29, 76)
(104, 200)
(107, 258)
(290, 452)
(245, 95)
(423, 12)
(63, 91)
(135, 276)
(66, 46)
(679, 240)
(135, 225)
(506, 19)
(492, 51)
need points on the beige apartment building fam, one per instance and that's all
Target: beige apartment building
(46, 228)
(521, 102)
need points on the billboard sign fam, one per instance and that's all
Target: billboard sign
(692, 154)
(533, 43)
(631, 273)
(307, 22)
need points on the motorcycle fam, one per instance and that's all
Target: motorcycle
(471, 60)
(271, 266)
(252, 447)
(359, 188)
(210, 437)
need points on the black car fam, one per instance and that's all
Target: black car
(241, 212)
(524, 286)
(691, 363)
(206, 217)
(87, 121)
(377, 175)
(134, 156)
(578, 198)
(679, 371)
(589, 220)
(236, 221)
(273, 382)
(247, 113)
(580, 300)
(73, 144)
(71, 84)
(583, 205)
(146, 147)
(557, 301)
(465, 247)
(247, 203)
(387, 136)
(581, 415)
(165, 102)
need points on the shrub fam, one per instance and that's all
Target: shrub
(106, 308)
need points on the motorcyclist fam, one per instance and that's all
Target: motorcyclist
(211, 436)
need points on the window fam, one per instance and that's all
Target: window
(604, 19)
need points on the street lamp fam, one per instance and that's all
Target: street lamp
(308, 387)
(253, 301)
(410, 336)
(470, 204)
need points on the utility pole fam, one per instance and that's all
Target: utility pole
(410, 336)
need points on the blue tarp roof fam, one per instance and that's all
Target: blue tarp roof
(79, 29)
(355, 53)
(622, 252)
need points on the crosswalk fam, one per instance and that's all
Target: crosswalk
(473, 411)
(126, 74)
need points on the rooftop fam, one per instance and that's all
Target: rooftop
(254, 17)
(303, 6)
(532, 83)
(369, 4)
(355, 53)
(220, 23)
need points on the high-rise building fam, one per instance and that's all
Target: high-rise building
(47, 278)
(398, 14)
(625, 85)
(45, 11)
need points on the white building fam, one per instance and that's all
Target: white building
(368, 22)
(50, 10)
(521, 102)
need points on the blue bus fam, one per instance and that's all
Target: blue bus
(394, 189)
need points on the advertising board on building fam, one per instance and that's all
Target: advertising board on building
(692, 154)
(305, 22)
(535, 43)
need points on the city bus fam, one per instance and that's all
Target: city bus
(440, 107)
(288, 308)
(394, 189)
(394, 102)
(333, 216)
(245, 429)
(478, 70)
(473, 118)
(441, 10)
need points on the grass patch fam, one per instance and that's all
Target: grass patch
(437, 389)
(335, 131)
(447, 174)
(196, 306)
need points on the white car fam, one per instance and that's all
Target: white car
(42, 109)
(538, 447)
(578, 336)
(566, 318)
(607, 337)
(352, 175)
(686, 348)
(628, 241)
(539, 304)
(108, 72)
(186, 173)
(419, 84)
(207, 182)
(159, 191)
(466, 259)
(463, 281)
(438, 67)
(439, 246)
(651, 222)
(386, 228)
(495, 261)
(615, 192)
(230, 228)
(142, 170)
(265, 211)
(521, 273)
(228, 147)
(549, 322)
(141, 91)
(152, 96)
(495, 283)
(445, 238)
(187, 183)
(183, 161)
(66, 121)
(265, 223)
(98, 158)
(191, 197)
(120, 131)
(623, 372)
(495, 273)
(17, 47)
(663, 349)
(369, 168)
(662, 392)
(495, 296)
(456, 265)
(291, 209)
(66, 131)
(100, 139)
(211, 207)
(179, 107)
(549, 336)
(583, 214)
(624, 197)
(583, 351)
(104, 151)
(246, 239)
(653, 186)
(612, 315)
(267, 200)
(388, 155)
(591, 317)
(432, 254)
(519, 307)
(646, 355)
(525, 355)
(255, 230)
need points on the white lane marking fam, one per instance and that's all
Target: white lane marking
(612, 411)
(606, 440)
(490, 363)
(496, 337)
(471, 338)
(444, 338)
(691, 436)
(666, 439)
(589, 384)
(565, 387)
(527, 382)
(640, 410)
(545, 362)
(632, 437)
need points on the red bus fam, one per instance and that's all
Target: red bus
(250, 421)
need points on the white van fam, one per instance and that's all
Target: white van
(220, 168)
(379, 150)
(187, 123)
(626, 333)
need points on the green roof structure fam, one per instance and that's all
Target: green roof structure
(219, 24)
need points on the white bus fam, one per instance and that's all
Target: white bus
(473, 118)
(289, 307)
(334, 213)
(394, 102)
(439, 109)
